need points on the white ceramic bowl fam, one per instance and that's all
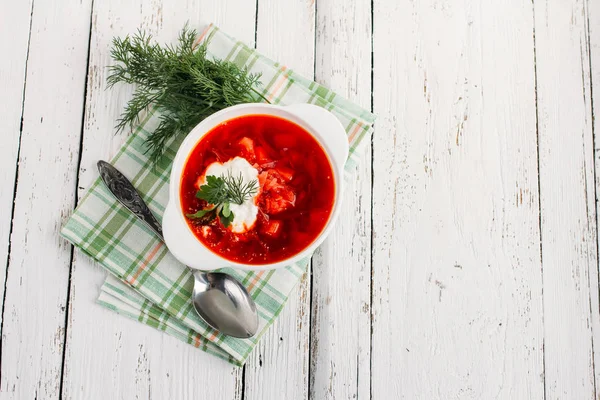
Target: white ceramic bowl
(324, 127)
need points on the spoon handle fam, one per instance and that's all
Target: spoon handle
(125, 192)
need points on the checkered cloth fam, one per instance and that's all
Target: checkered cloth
(146, 283)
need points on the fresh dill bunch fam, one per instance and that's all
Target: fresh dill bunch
(183, 84)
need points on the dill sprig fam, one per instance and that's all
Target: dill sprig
(183, 84)
(220, 192)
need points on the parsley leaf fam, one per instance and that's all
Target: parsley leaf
(225, 211)
(226, 216)
(213, 191)
(204, 216)
(199, 213)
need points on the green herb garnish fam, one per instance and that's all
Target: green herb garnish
(226, 216)
(201, 213)
(220, 192)
(181, 81)
(227, 189)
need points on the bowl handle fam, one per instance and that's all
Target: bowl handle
(184, 246)
(330, 128)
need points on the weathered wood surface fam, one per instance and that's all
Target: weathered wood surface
(568, 198)
(456, 256)
(15, 20)
(340, 319)
(464, 265)
(37, 275)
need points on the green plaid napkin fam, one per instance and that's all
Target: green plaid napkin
(146, 282)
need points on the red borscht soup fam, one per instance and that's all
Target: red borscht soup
(293, 196)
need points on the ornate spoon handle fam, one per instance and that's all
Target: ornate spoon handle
(127, 195)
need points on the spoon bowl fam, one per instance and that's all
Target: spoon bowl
(223, 303)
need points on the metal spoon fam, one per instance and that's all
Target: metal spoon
(219, 299)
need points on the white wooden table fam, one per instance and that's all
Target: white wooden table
(465, 265)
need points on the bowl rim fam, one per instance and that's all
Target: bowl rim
(207, 125)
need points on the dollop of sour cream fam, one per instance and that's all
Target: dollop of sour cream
(244, 215)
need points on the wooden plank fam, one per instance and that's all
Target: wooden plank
(119, 358)
(38, 270)
(278, 367)
(593, 28)
(15, 21)
(457, 285)
(340, 319)
(567, 194)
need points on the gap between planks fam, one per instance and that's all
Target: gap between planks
(16, 179)
(76, 201)
(537, 142)
(595, 175)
